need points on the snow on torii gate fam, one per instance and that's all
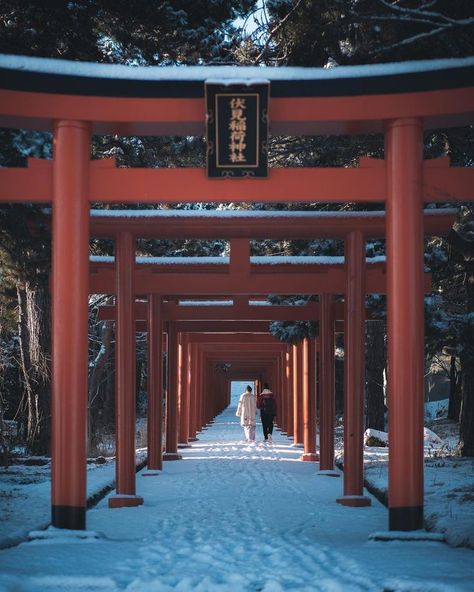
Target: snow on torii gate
(75, 99)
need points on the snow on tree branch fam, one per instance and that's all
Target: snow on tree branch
(408, 40)
(420, 12)
(436, 22)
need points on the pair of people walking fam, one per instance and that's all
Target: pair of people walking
(247, 411)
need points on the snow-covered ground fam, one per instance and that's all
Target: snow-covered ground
(230, 517)
(448, 479)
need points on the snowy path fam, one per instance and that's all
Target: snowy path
(232, 517)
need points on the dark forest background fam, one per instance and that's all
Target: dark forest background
(321, 33)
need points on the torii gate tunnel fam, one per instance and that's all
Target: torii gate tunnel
(75, 100)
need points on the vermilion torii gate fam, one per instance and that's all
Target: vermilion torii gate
(400, 101)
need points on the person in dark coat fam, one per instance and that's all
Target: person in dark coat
(267, 405)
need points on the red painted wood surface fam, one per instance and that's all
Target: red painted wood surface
(404, 145)
(288, 116)
(354, 366)
(155, 384)
(70, 246)
(174, 185)
(327, 405)
(263, 282)
(125, 367)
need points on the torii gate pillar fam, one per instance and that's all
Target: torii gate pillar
(171, 452)
(125, 374)
(404, 158)
(200, 390)
(289, 389)
(70, 331)
(155, 384)
(327, 404)
(354, 375)
(193, 397)
(297, 395)
(183, 391)
(309, 400)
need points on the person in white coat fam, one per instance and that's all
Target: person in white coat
(246, 410)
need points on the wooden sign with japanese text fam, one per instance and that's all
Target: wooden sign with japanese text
(237, 129)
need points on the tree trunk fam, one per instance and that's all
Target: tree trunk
(4, 444)
(99, 412)
(454, 407)
(467, 374)
(34, 322)
(375, 365)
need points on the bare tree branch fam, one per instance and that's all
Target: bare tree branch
(438, 16)
(398, 19)
(274, 31)
(408, 40)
